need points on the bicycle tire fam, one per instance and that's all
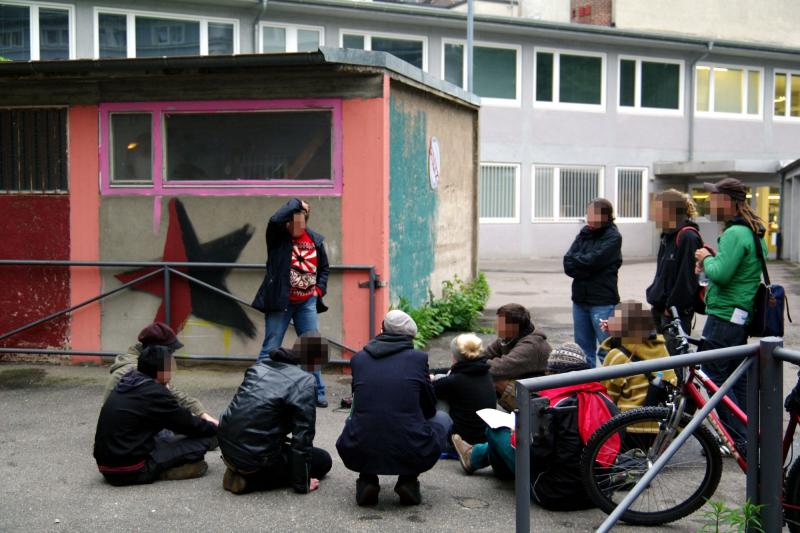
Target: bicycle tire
(791, 496)
(629, 462)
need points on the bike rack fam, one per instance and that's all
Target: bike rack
(763, 363)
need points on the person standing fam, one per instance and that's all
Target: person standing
(295, 282)
(593, 263)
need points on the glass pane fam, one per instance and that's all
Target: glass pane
(53, 34)
(285, 145)
(166, 37)
(727, 90)
(131, 147)
(629, 193)
(544, 77)
(220, 39)
(307, 40)
(627, 83)
(703, 75)
(454, 64)
(700, 197)
(780, 95)
(353, 41)
(753, 91)
(113, 35)
(660, 85)
(579, 186)
(795, 96)
(543, 192)
(409, 51)
(581, 78)
(273, 40)
(495, 74)
(497, 191)
(15, 32)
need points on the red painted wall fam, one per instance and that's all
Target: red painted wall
(34, 227)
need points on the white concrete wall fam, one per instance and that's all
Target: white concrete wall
(550, 10)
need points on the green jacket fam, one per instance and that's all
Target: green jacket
(124, 363)
(734, 273)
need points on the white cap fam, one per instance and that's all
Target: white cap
(400, 323)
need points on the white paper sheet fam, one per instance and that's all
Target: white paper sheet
(497, 419)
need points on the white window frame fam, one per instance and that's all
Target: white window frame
(569, 106)
(505, 220)
(368, 35)
(556, 198)
(788, 94)
(637, 108)
(131, 15)
(644, 199)
(743, 115)
(33, 38)
(496, 102)
(291, 35)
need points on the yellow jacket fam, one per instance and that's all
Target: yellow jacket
(630, 392)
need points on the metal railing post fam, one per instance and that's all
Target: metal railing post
(751, 490)
(771, 432)
(373, 282)
(167, 298)
(522, 457)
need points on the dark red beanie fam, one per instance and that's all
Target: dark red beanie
(159, 334)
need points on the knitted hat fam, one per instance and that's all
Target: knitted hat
(399, 323)
(466, 346)
(159, 334)
(566, 357)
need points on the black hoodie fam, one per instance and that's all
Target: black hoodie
(593, 263)
(675, 282)
(467, 388)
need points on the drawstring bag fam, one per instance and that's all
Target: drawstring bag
(769, 304)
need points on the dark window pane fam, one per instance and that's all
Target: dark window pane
(409, 51)
(353, 41)
(580, 79)
(495, 73)
(660, 85)
(627, 83)
(131, 147)
(113, 34)
(33, 150)
(454, 64)
(286, 145)
(544, 77)
(53, 34)
(15, 32)
(220, 39)
(166, 37)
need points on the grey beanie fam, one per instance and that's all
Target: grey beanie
(568, 356)
(400, 323)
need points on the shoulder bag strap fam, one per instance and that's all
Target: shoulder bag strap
(632, 358)
(760, 254)
(684, 230)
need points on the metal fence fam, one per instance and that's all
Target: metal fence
(763, 364)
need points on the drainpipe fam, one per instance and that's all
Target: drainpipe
(470, 32)
(261, 12)
(781, 207)
(692, 90)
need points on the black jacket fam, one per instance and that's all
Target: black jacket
(275, 399)
(273, 294)
(387, 431)
(135, 411)
(675, 282)
(468, 388)
(593, 262)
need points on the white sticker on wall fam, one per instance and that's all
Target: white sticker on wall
(434, 162)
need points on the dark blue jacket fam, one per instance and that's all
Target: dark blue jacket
(593, 263)
(273, 295)
(387, 431)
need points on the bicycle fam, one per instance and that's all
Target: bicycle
(635, 439)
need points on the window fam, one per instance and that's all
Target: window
(563, 192)
(33, 150)
(280, 39)
(29, 32)
(728, 91)
(573, 80)
(650, 85)
(631, 194)
(495, 75)
(227, 146)
(787, 95)
(410, 49)
(126, 33)
(498, 193)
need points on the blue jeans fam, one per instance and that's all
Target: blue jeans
(442, 425)
(495, 452)
(304, 316)
(586, 326)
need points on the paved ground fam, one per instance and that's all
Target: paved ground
(49, 481)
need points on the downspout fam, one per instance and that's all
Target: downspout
(692, 92)
(781, 207)
(261, 12)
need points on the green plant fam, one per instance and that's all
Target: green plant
(723, 519)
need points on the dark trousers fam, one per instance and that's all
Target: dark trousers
(279, 473)
(169, 452)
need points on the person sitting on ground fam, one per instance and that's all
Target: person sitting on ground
(633, 338)
(155, 334)
(130, 446)
(467, 388)
(556, 450)
(518, 352)
(394, 428)
(276, 398)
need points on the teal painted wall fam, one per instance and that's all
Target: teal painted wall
(413, 206)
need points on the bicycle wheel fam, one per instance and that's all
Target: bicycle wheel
(791, 497)
(623, 449)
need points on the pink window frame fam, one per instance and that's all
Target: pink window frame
(160, 187)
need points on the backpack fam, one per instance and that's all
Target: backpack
(769, 303)
(699, 299)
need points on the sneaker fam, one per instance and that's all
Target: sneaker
(464, 451)
(367, 492)
(322, 403)
(187, 471)
(234, 482)
(409, 492)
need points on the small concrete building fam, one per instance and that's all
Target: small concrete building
(790, 211)
(185, 159)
